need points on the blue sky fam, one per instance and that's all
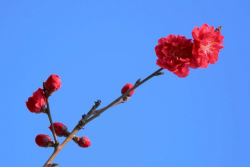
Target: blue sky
(98, 46)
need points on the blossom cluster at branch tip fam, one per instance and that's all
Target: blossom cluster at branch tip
(43, 141)
(83, 142)
(177, 54)
(60, 129)
(53, 83)
(37, 101)
(126, 88)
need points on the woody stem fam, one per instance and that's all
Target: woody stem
(96, 114)
(51, 122)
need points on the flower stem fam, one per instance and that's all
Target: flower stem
(51, 122)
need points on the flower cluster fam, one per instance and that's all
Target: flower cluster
(177, 54)
(36, 103)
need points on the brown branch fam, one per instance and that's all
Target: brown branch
(85, 118)
(137, 84)
(218, 28)
(47, 111)
(51, 123)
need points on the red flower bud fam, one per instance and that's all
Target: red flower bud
(53, 83)
(37, 101)
(60, 129)
(83, 142)
(43, 140)
(126, 88)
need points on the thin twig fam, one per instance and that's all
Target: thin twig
(51, 122)
(97, 113)
(218, 28)
(138, 83)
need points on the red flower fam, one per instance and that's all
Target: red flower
(83, 142)
(37, 101)
(207, 45)
(43, 140)
(175, 54)
(53, 83)
(126, 88)
(60, 129)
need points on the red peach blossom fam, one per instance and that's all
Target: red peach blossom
(207, 45)
(126, 88)
(60, 129)
(37, 101)
(175, 54)
(83, 142)
(53, 83)
(43, 140)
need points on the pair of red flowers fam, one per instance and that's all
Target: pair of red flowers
(36, 103)
(60, 130)
(177, 54)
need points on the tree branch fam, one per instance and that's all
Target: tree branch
(85, 118)
(51, 123)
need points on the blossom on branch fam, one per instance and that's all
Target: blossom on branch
(37, 101)
(83, 142)
(126, 88)
(44, 141)
(60, 129)
(53, 83)
(207, 44)
(175, 54)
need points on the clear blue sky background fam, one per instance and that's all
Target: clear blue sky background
(98, 46)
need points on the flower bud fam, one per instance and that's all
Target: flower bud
(126, 88)
(83, 142)
(37, 101)
(53, 83)
(44, 141)
(60, 129)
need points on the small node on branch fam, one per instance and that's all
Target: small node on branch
(83, 116)
(44, 86)
(92, 110)
(126, 98)
(56, 144)
(218, 28)
(52, 144)
(159, 73)
(81, 123)
(52, 165)
(138, 81)
(76, 139)
(45, 91)
(97, 103)
(44, 110)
